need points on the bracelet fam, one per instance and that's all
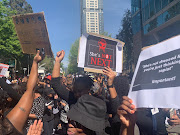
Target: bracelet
(111, 86)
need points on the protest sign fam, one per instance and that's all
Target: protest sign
(32, 32)
(3, 69)
(156, 80)
(97, 51)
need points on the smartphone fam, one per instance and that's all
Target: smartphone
(42, 52)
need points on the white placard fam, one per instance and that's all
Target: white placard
(97, 51)
(3, 69)
(156, 80)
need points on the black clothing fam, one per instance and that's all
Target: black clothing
(48, 114)
(63, 92)
(145, 123)
(10, 91)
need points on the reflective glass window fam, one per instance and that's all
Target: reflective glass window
(143, 4)
(146, 27)
(136, 24)
(143, 15)
(160, 20)
(170, 1)
(158, 5)
(152, 9)
(135, 5)
(146, 12)
(178, 8)
(164, 3)
(152, 24)
(166, 16)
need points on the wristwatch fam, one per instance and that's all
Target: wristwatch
(111, 86)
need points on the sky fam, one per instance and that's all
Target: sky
(63, 20)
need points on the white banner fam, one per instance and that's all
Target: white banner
(156, 80)
(3, 69)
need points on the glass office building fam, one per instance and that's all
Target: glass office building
(154, 21)
(92, 16)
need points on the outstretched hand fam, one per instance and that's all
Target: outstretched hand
(38, 57)
(110, 74)
(126, 112)
(60, 56)
(36, 128)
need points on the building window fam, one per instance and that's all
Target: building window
(158, 5)
(152, 9)
(160, 20)
(135, 5)
(136, 24)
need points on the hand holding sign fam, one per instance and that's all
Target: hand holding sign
(110, 74)
(126, 112)
(60, 56)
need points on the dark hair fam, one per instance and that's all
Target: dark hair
(121, 84)
(82, 85)
(20, 89)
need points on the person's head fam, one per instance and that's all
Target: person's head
(25, 79)
(49, 92)
(82, 85)
(87, 116)
(20, 88)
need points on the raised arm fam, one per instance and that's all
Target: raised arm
(56, 69)
(19, 114)
(60, 89)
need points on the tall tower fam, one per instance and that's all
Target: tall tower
(92, 16)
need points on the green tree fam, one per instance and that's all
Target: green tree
(73, 54)
(9, 44)
(21, 6)
(48, 64)
(125, 35)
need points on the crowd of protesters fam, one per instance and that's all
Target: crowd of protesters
(95, 104)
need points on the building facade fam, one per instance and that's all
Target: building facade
(154, 21)
(92, 16)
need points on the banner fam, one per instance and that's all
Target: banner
(32, 32)
(156, 81)
(97, 52)
(3, 69)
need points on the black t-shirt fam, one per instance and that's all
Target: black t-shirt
(145, 122)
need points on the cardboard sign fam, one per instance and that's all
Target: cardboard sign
(156, 81)
(97, 52)
(32, 32)
(3, 69)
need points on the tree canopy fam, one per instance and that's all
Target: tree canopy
(73, 54)
(10, 48)
(125, 34)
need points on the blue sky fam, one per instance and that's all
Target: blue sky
(63, 20)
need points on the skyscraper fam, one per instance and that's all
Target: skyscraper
(92, 16)
(154, 21)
